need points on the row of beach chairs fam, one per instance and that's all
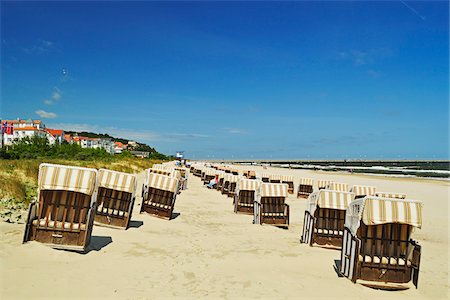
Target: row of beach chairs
(72, 199)
(371, 229)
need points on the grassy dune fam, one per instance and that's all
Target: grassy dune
(18, 179)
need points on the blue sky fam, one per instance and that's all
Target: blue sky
(292, 80)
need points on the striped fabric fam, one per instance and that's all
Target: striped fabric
(265, 175)
(210, 172)
(306, 181)
(287, 178)
(274, 190)
(334, 186)
(330, 199)
(275, 177)
(387, 210)
(176, 174)
(162, 182)
(118, 181)
(363, 190)
(67, 178)
(248, 184)
(158, 167)
(390, 195)
(230, 178)
(323, 183)
(251, 173)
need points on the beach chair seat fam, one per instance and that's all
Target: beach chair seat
(115, 199)
(159, 195)
(270, 207)
(324, 218)
(244, 198)
(377, 244)
(63, 215)
(305, 188)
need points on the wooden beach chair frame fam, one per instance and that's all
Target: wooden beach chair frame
(324, 219)
(115, 199)
(159, 195)
(63, 215)
(229, 185)
(379, 250)
(289, 180)
(270, 207)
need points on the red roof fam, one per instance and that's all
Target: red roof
(67, 137)
(55, 132)
(119, 144)
(26, 129)
(22, 121)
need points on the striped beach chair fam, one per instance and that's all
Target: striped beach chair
(324, 219)
(361, 191)
(63, 215)
(115, 198)
(184, 177)
(159, 195)
(270, 207)
(265, 177)
(250, 175)
(208, 175)
(289, 180)
(220, 179)
(275, 178)
(229, 184)
(305, 188)
(336, 186)
(322, 184)
(244, 198)
(377, 245)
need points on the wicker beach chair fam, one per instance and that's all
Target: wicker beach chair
(322, 184)
(289, 180)
(335, 186)
(244, 198)
(208, 175)
(377, 245)
(63, 215)
(229, 184)
(270, 207)
(305, 188)
(220, 179)
(115, 198)
(324, 219)
(159, 195)
(390, 195)
(265, 177)
(250, 174)
(362, 191)
(184, 177)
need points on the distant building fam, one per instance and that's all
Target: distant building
(95, 143)
(55, 136)
(17, 129)
(118, 147)
(141, 154)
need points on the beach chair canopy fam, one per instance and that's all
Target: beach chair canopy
(118, 181)
(162, 182)
(376, 211)
(306, 181)
(176, 174)
(275, 177)
(287, 178)
(265, 175)
(390, 195)
(363, 190)
(329, 199)
(159, 171)
(324, 183)
(247, 185)
(273, 190)
(67, 178)
(335, 186)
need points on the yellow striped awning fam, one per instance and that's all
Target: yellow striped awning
(118, 181)
(335, 186)
(388, 210)
(274, 189)
(323, 183)
(330, 199)
(159, 171)
(363, 190)
(306, 181)
(67, 178)
(275, 177)
(390, 195)
(287, 178)
(248, 184)
(162, 182)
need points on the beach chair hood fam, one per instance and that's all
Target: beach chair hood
(247, 185)
(162, 182)
(329, 199)
(306, 181)
(67, 178)
(363, 190)
(335, 186)
(273, 190)
(390, 195)
(117, 181)
(376, 211)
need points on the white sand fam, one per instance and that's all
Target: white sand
(210, 252)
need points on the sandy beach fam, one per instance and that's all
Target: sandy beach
(208, 251)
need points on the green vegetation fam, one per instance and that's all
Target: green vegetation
(19, 167)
